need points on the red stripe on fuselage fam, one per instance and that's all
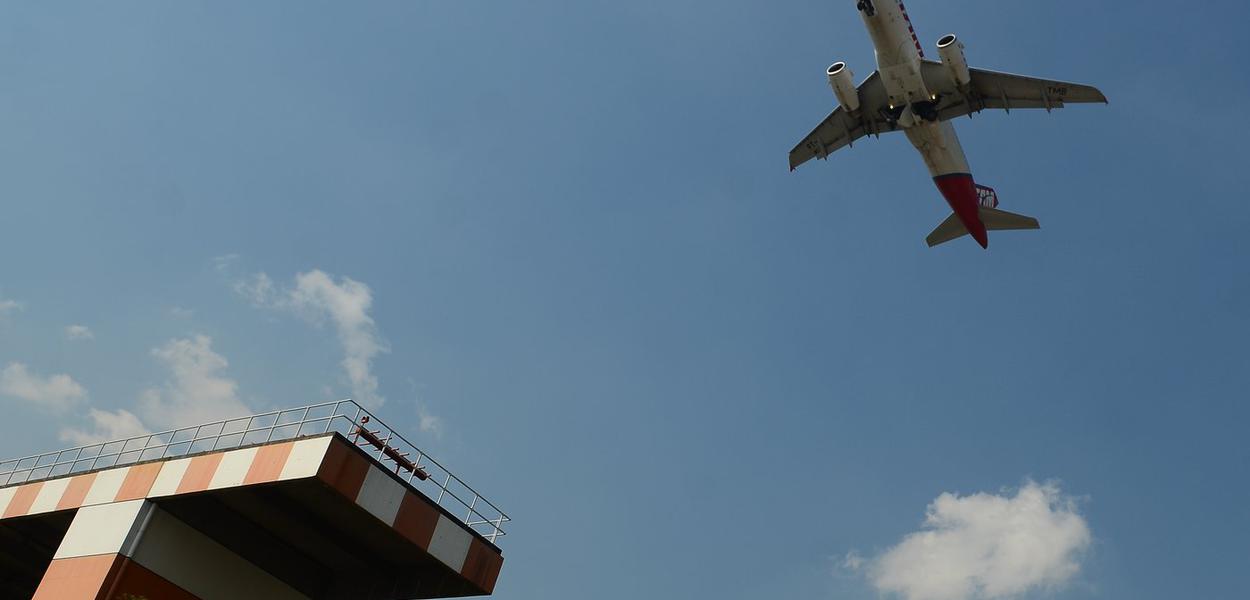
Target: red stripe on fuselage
(960, 192)
(910, 28)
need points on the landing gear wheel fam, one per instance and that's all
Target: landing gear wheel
(926, 110)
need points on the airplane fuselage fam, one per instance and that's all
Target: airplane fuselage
(897, 49)
(899, 56)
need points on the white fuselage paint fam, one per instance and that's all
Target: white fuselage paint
(898, 60)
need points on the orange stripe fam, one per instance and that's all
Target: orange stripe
(416, 520)
(91, 577)
(343, 468)
(23, 498)
(491, 576)
(268, 462)
(138, 482)
(199, 473)
(76, 492)
(82, 578)
(482, 565)
(474, 562)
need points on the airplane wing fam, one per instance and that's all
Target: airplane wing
(842, 128)
(992, 89)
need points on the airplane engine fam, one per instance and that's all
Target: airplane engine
(843, 84)
(952, 52)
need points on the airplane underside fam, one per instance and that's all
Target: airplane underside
(920, 97)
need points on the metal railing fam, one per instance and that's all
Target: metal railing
(345, 417)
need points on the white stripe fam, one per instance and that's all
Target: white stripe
(106, 485)
(6, 496)
(305, 458)
(167, 480)
(101, 529)
(450, 543)
(232, 468)
(380, 495)
(49, 496)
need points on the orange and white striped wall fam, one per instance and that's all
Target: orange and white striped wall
(120, 537)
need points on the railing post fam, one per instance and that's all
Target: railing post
(356, 419)
(76, 457)
(385, 444)
(498, 524)
(443, 488)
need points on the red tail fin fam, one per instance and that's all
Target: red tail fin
(964, 198)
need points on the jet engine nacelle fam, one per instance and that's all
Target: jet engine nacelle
(952, 52)
(843, 84)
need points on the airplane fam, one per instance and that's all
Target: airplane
(919, 96)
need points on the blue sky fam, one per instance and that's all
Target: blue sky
(683, 370)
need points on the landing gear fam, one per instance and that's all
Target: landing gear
(926, 110)
(909, 115)
(867, 7)
(892, 114)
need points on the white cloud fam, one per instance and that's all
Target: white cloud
(852, 561)
(986, 546)
(9, 306)
(197, 391)
(260, 290)
(79, 332)
(222, 263)
(107, 427)
(56, 392)
(346, 304)
(428, 423)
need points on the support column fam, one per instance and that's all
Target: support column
(134, 550)
(94, 560)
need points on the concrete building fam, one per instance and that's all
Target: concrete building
(320, 502)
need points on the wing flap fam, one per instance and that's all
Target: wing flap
(1005, 91)
(1030, 92)
(837, 131)
(841, 128)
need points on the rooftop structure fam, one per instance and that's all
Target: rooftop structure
(318, 502)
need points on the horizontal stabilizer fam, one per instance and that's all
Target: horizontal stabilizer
(950, 229)
(1001, 220)
(993, 219)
